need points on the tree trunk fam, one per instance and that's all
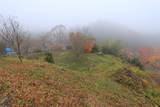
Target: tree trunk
(19, 49)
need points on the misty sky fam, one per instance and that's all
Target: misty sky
(139, 15)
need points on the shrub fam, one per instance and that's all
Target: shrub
(136, 62)
(68, 47)
(112, 47)
(37, 50)
(49, 57)
(95, 49)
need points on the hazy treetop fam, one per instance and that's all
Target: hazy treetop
(140, 15)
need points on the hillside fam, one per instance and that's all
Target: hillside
(149, 56)
(100, 81)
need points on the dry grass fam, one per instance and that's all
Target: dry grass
(39, 84)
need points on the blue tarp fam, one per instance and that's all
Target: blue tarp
(8, 49)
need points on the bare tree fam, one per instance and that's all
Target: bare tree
(59, 35)
(2, 47)
(83, 29)
(27, 44)
(45, 42)
(11, 32)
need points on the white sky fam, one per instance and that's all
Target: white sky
(140, 15)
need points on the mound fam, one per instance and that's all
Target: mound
(130, 80)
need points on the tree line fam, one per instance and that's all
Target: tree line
(59, 38)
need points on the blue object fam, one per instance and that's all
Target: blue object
(8, 49)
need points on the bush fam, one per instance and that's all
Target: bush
(95, 49)
(37, 50)
(112, 47)
(68, 47)
(136, 62)
(49, 57)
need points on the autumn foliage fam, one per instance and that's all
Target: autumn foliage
(146, 54)
(81, 42)
(88, 47)
(149, 56)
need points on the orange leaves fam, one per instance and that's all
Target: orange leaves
(149, 54)
(81, 42)
(146, 54)
(88, 47)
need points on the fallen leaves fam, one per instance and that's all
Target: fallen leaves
(26, 90)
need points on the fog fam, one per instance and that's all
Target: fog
(135, 21)
(105, 30)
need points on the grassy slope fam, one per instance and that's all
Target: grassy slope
(89, 83)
